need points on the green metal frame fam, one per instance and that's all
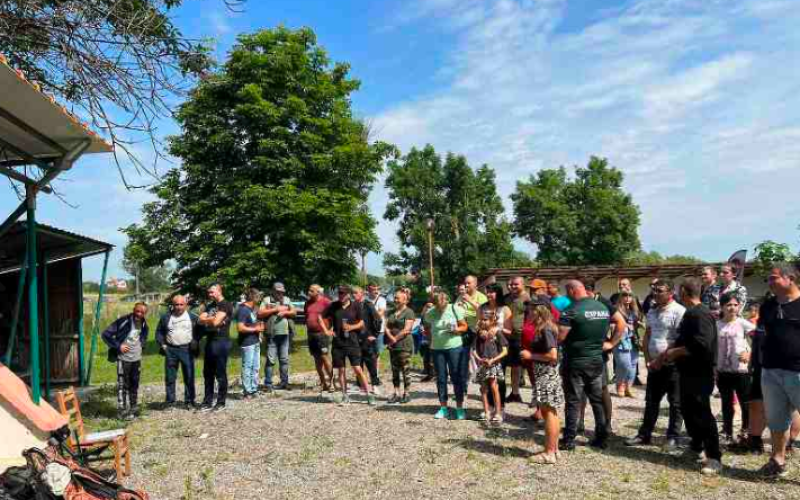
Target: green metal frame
(46, 325)
(96, 326)
(81, 342)
(12, 339)
(33, 296)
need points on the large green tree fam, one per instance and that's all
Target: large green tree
(769, 252)
(583, 220)
(275, 172)
(469, 229)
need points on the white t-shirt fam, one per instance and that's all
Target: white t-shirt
(732, 342)
(663, 324)
(179, 329)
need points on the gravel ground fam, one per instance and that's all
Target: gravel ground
(290, 445)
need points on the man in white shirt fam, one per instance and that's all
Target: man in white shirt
(177, 336)
(662, 330)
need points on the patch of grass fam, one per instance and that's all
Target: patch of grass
(661, 483)
(312, 447)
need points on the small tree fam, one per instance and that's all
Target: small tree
(470, 232)
(588, 219)
(769, 252)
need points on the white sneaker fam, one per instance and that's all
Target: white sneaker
(376, 390)
(711, 467)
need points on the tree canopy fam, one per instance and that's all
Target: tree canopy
(275, 172)
(119, 62)
(769, 252)
(584, 220)
(470, 231)
(148, 278)
(641, 258)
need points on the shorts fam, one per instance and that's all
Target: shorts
(319, 344)
(513, 358)
(342, 353)
(781, 390)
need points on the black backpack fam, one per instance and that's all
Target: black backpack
(372, 321)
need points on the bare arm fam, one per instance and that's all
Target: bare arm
(563, 331)
(619, 327)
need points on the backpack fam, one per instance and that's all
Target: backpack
(84, 483)
(372, 320)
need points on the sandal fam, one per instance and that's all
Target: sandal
(544, 459)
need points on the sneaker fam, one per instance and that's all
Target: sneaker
(345, 400)
(461, 414)
(284, 387)
(442, 413)
(219, 407)
(394, 399)
(711, 467)
(514, 398)
(371, 399)
(405, 399)
(205, 407)
(671, 444)
(376, 390)
(268, 389)
(637, 441)
(129, 416)
(497, 418)
(565, 445)
(190, 405)
(697, 456)
(599, 443)
(773, 470)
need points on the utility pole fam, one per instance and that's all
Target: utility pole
(429, 224)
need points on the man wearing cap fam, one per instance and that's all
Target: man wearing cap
(277, 311)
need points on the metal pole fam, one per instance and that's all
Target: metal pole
(33, 296)
(12, 339)
(430, 251)
(81, 342)
(96, 327)
(46, 320)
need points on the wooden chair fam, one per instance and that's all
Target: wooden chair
(94, 444)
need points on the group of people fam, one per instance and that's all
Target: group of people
(695, 340)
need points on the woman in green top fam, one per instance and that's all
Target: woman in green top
(444, 324)
(398, 338)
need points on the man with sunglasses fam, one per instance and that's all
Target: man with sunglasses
(780, 360)
(662, 379)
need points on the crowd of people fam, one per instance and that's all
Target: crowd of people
(700, 335)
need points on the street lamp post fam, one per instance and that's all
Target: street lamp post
(429, 225)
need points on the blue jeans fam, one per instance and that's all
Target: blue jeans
(624, 366)
(251, 363)
(447, 362)
(277, 351)
(781, 390)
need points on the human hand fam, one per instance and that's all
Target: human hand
(744, 357)
(125, 348)
(371, 339)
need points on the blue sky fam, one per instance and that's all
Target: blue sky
(697, 102)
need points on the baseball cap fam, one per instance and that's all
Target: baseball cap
(278, 287)
(537, 283)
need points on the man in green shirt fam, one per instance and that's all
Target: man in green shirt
(583, 330)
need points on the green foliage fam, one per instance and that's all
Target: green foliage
(588, 219)
(91, 287)
(470, 233)
(642, 258)
(769, 252)
(275, 173)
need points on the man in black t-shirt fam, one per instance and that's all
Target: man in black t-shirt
(780, 360)
(217, 321)
(343, 320)
(695, 355)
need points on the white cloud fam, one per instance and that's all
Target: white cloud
(677, 93)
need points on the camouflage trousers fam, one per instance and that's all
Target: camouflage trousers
(401, 364)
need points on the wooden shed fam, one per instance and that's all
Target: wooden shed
(60, 281)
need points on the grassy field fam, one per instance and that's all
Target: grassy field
(103, 372)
